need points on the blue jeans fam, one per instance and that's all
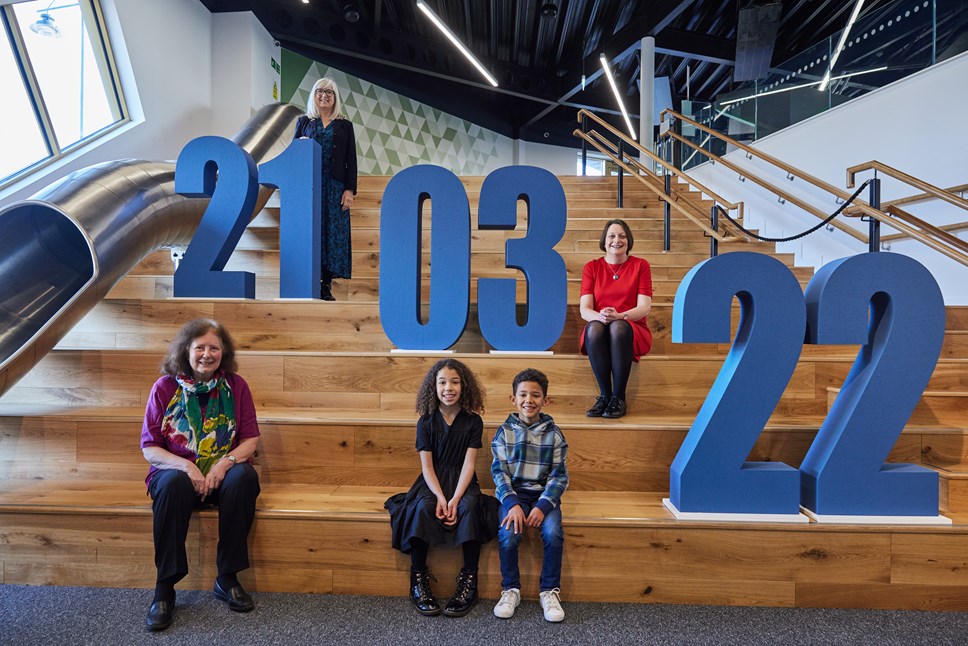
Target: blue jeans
(551, 536)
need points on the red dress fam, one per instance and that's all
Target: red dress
(634, 278)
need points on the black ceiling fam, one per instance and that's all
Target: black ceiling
(538, 59)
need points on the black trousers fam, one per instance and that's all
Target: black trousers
(174, 498)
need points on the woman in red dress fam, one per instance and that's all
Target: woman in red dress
(616, 298)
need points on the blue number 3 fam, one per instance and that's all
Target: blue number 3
(888, 303)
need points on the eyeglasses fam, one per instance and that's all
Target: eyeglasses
(325, 92)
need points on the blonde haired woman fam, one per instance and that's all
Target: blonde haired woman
(324, 121)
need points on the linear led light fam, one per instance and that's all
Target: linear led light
(618, 98)
(455, 41)
(803, 85)
(840, 45)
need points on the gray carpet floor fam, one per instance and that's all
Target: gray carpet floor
(68, 616)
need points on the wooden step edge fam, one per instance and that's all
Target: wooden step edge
(660, 517)
(947, 473)
(926, 393)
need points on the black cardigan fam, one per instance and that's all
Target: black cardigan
(343, 162)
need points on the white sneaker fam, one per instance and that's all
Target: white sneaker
(551, 605)
(510, 599)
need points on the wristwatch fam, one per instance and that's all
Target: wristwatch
(231, 458)
(625, 317)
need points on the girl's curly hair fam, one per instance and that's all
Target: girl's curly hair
(471, 393)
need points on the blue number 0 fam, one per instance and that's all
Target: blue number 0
(710, 472)
(891, 305)
(233, 199)
(400, 258)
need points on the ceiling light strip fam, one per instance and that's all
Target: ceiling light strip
(840, 45)
(455, 41)
(618, 97)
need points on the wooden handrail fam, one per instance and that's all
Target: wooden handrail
(669, 168)
(910, 180)
(795, 172)
(612, 153)
(920, 197)
(672, 203)
(927, 234)
(958, 226)
(786, 195)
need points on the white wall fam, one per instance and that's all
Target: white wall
(558, 160)
(163, 49)
(243, 79)
(914, 125)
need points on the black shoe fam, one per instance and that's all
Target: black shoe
(159, 615)
(465, 596)
(238, 599)
(616, 408)
(325, 292)
(421, 594)
(600, 405)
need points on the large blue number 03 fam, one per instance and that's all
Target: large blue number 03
(891, 305)
(400, 258)
(710, 472)
(296, 173)
(216, 167)
(543, 267)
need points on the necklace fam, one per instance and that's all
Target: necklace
(615, 268)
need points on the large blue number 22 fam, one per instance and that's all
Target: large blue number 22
(888, 303)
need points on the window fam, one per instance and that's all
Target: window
(59, 78)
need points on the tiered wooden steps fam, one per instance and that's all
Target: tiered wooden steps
(335, 406)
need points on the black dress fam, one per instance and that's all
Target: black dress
(413, 514)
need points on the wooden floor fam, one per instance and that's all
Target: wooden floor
(335, 407)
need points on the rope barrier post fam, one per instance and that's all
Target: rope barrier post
(584, 146)
(714, 224)
(874, 233)
(666, 213)
(621, 173)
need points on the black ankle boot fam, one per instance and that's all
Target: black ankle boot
(465, 596)
(325, 292)
(420, 593)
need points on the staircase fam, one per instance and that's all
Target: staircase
(336, 412)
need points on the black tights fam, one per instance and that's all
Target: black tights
(609, 350)
(419, 549)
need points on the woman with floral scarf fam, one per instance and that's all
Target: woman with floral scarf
(199, 434)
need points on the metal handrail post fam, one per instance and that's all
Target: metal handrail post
(584, 146)
(874, 231)
(714, 224)
(666, 214)
(621, 172)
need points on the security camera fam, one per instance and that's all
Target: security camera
(276, 43)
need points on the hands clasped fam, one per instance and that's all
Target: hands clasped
(517, 520)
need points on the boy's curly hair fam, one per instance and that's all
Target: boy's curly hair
(530, 374)
(471, 393)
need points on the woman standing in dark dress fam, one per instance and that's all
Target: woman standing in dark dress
(324, 121)
(445, 505)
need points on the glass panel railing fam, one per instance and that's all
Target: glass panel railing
(884, 46)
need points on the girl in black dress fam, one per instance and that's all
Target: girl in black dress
(445, 505)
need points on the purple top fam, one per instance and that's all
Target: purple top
(246, 424)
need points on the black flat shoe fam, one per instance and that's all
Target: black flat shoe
(238, 599)
(325, 293)
(159, 615)
(600, 405)
(616, 408)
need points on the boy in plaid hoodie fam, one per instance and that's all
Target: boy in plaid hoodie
(530, 476)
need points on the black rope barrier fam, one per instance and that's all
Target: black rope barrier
(799, 235)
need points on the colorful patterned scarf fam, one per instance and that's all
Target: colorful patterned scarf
(210, 437)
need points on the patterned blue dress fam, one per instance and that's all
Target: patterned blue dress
(336, 253)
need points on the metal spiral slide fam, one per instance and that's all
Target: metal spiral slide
(64, 249)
